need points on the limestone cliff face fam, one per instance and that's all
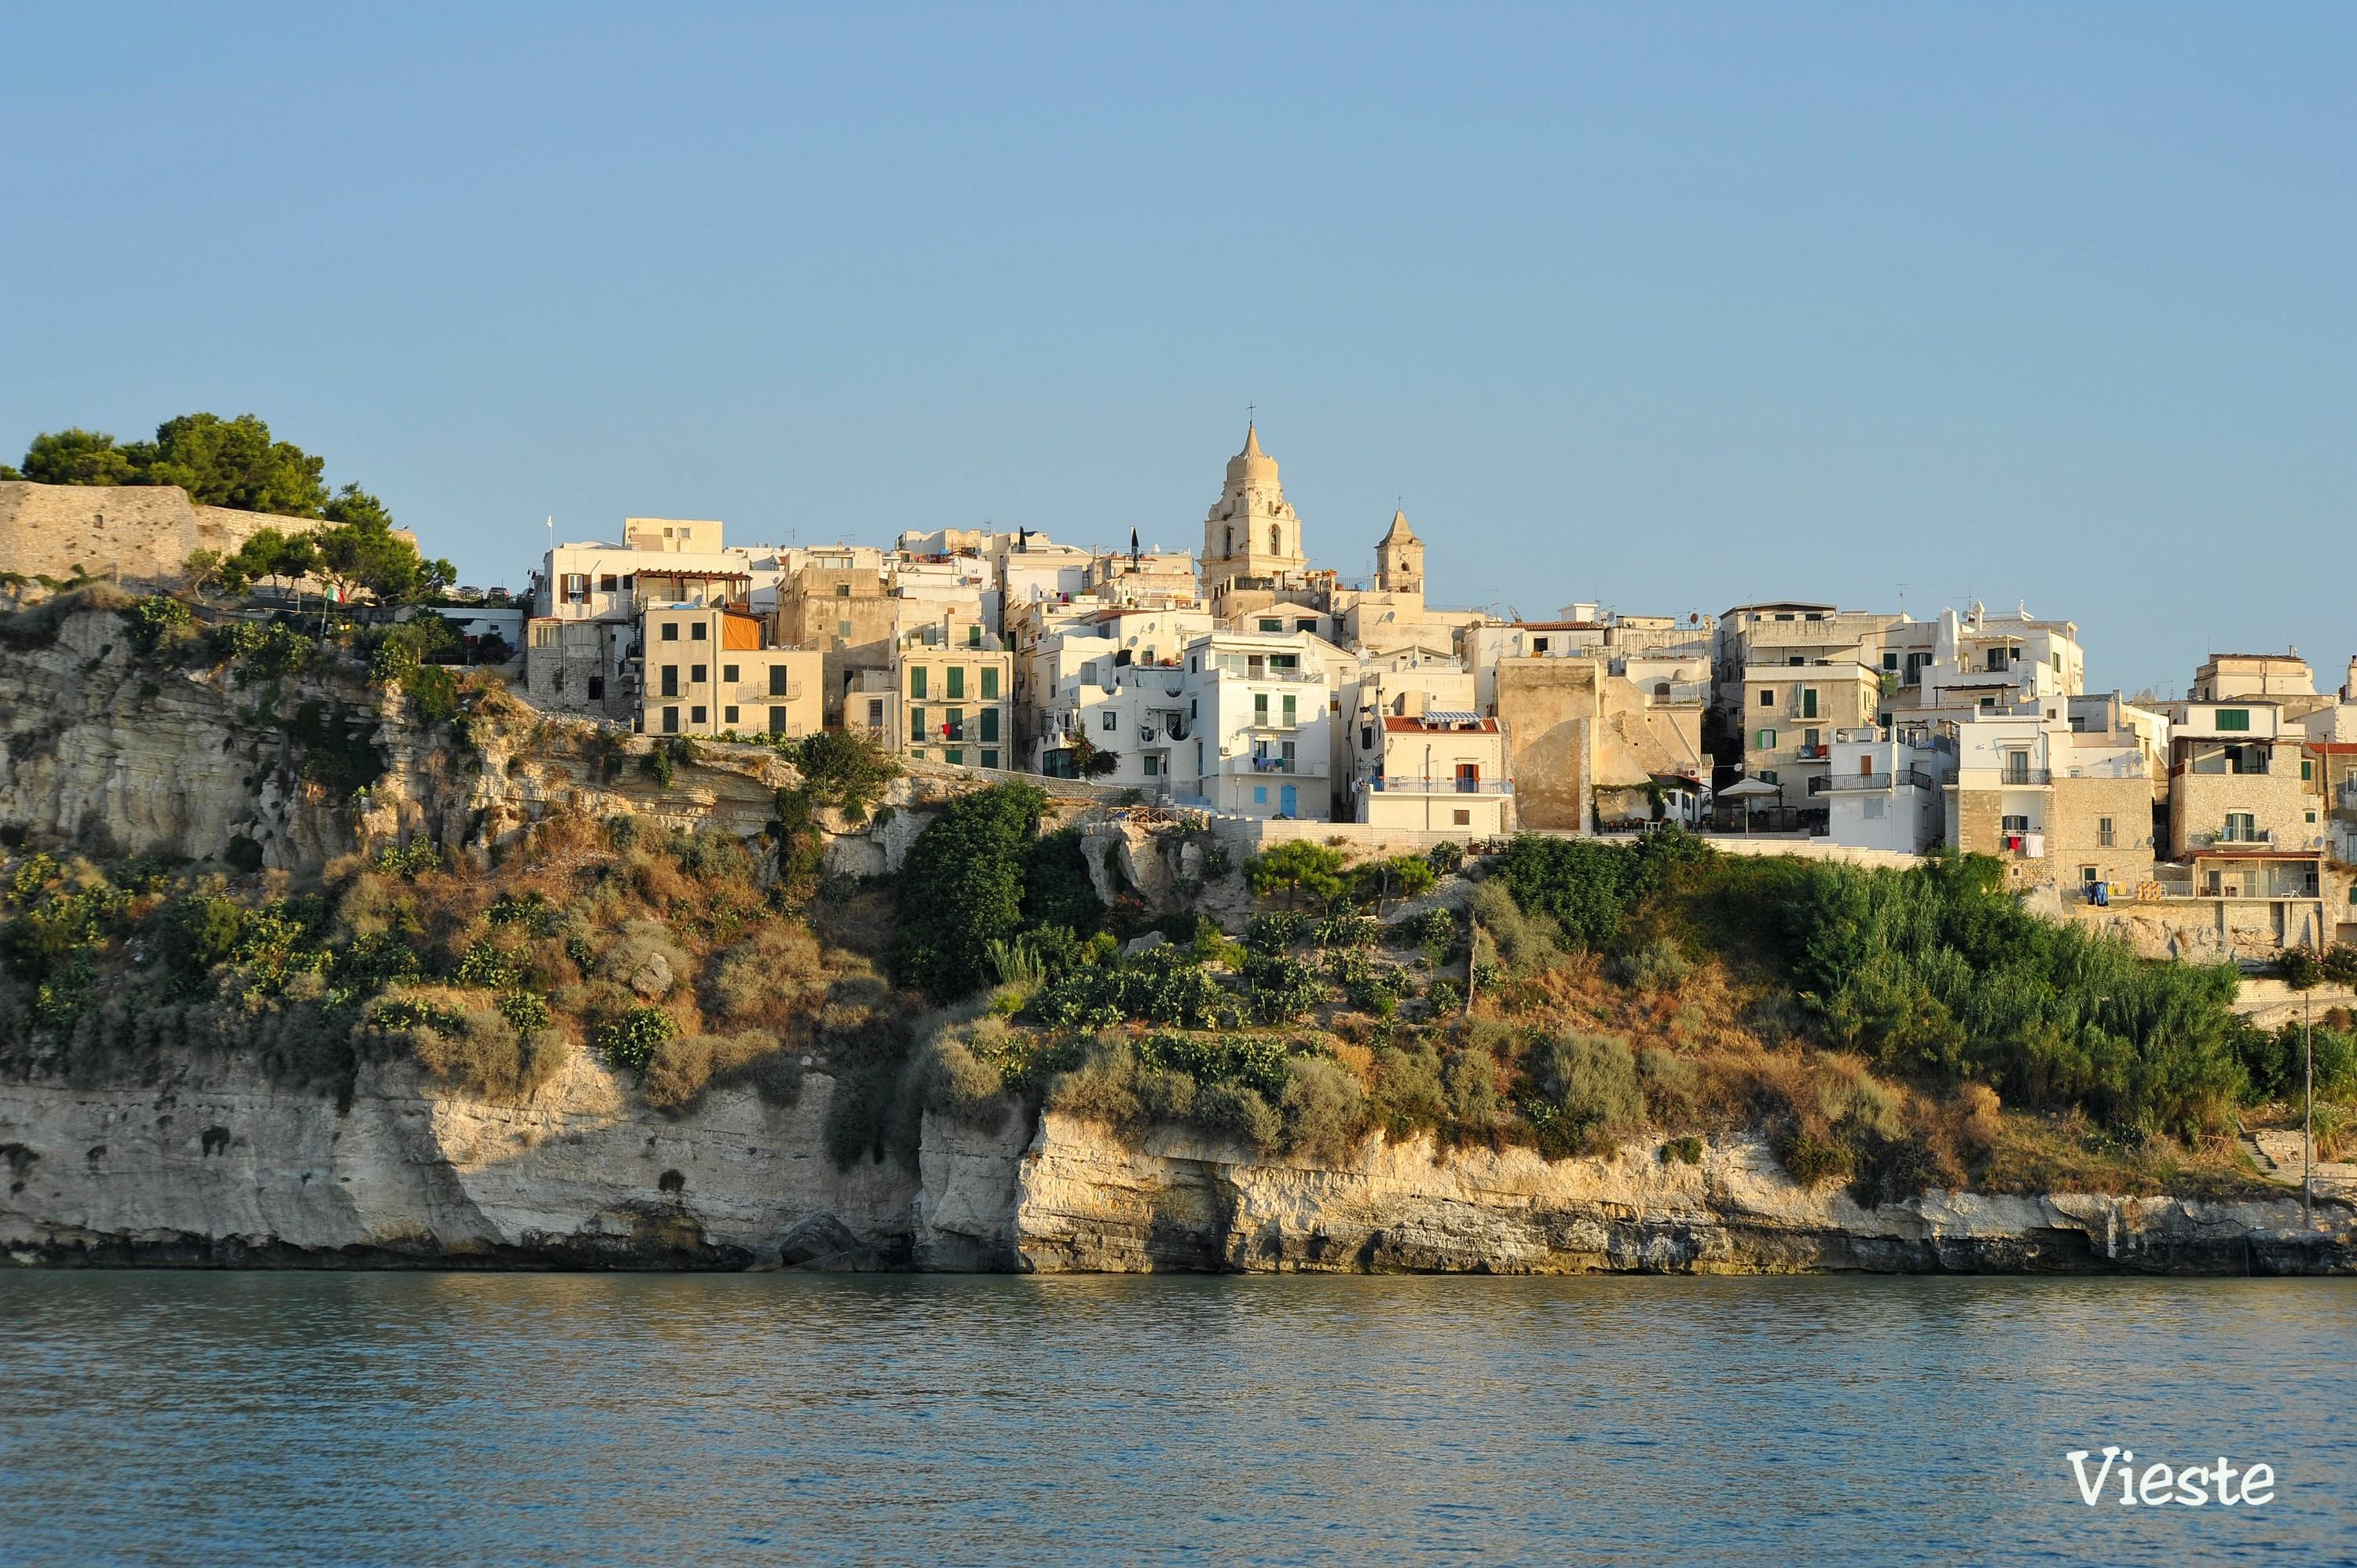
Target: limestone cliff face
(1086, 1203)
(212, 1164)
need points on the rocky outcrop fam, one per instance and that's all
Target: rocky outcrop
(212, 1164)
(1086, 1203)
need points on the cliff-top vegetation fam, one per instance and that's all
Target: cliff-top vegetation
(1887, 1030)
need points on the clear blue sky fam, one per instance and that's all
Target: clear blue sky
(1669, 306)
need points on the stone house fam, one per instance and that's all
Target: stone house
(1789, 715)
(709, 670)
(954, 681)
(1441, 770)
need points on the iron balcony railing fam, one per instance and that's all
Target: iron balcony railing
(2024, 776)
(1871, 783)
(1300, 767)
(1432, 784)
(2234, 834)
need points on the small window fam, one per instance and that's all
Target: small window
(2307, 768)
(2104, 832)
(1464, 818)
(1271, 626)
(1890, 661)
(729, 673)
(842, 629)
(2013, 824)
(777, 687)
(1765, 740)
(697, 715)
(990, 724)
(1768, 775)
(1260, 794)
(1111, 720)
(670, 721)
(915, 680)
(670, 631)
(728, 717)
(954, 754)
(597, 687)
(989, 683)
(1151, 763)
(989, 757)
(1539, 644)
(2233, 718)
(957, 680)
(606, 582)
(1767, 696)
(696, 673)
(974, 635)
(1309, 625)
(915, 724)
(696, 632)
(918, 752)
(843, 590)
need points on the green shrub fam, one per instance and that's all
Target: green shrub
(1471, 1079)
(408, 861)
(1323, 1111)
(1281, 989)
(1423, 930)
(484, 967)
(1345, 932)
(1686, 1151)
(1057, 889)
(962, 887)
(1586, 888)
(1230, 1109)
(1445, 998)
(1294, 868)
(1525, 944)
(1276, 932)
(156, 619)
(1407, 1094)
(1814, 1159)
(630, 1041)
(1580, 1092)
(1655, 966)
(525, 1011)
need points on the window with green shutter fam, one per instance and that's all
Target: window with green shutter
(989, 683)
(915, 680)
(957, 680)
(1765, 740)
(2233, 718)
(990, 724)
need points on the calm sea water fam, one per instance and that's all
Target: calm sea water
(411, 1418)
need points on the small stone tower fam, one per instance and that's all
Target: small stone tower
(1399, 559)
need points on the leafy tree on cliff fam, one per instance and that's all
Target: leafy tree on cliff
(962, 888)
(233, 463)
(77, 456)
(1295, 867)
(365, 554)
(220, 462)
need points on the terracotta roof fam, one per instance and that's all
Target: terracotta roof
(1397, 724)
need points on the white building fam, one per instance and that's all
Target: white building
(1886, 788)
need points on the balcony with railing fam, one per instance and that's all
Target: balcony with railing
(1438, 784)
(2233, 836)
(1877, 783)
(1293, 766)
(2024, 774)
